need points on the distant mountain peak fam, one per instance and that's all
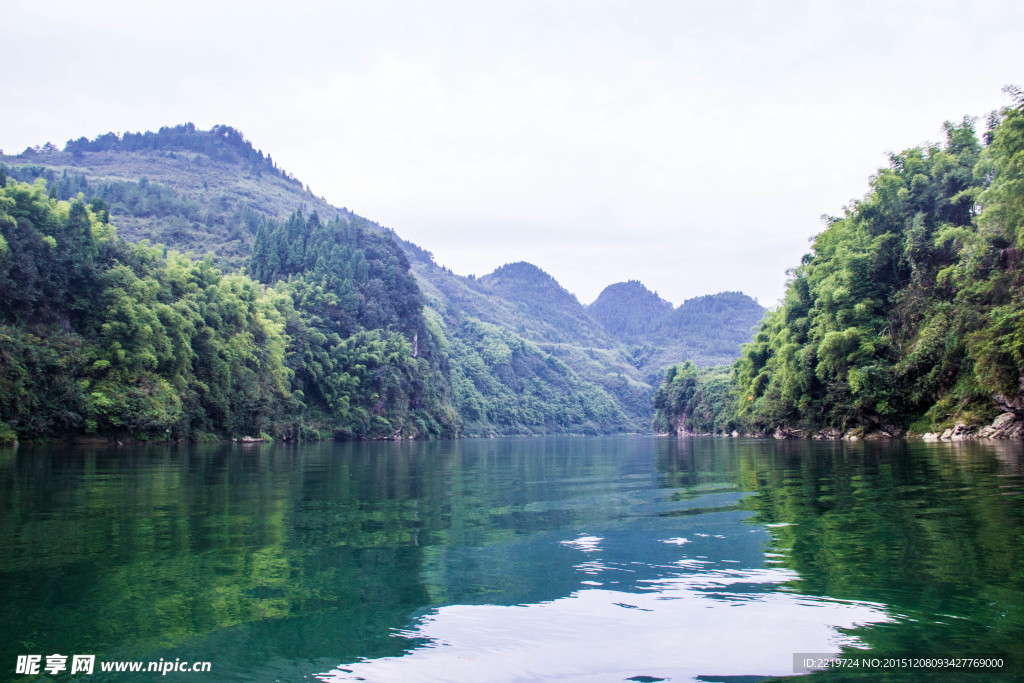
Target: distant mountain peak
(631, 288)
(628, 310)
(542, 303)
(521, 270)
(729, 314)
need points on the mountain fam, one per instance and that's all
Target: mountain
(198, 191)
(547, 311)
(710, 329)
(511, 352)
(707, 330)
(502, 300)
(100, 337)
(628, 311)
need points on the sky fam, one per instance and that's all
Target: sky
(693, 146)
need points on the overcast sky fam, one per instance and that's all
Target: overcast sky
(693, 146)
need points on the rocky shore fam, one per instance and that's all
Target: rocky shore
(1009, 425)
(1006, 426)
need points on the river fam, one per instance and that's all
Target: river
(591, 559)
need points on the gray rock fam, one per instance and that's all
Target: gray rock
(1004, 421)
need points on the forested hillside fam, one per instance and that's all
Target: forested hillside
(103, 337)
(590, 363)
(629, 311)
(203, 191)
(707, 330)
(542, 301)
(378, 341)
(907, 314)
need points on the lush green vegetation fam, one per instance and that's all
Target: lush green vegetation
(103, 337)
(371, 346)
(506, 385)
(324, 336)
(360, 349)
(195, 190)
(909, 311)
(159, 212)
(174, 188)
(621, 343)
(131, 341)
(692, 400)
(534, 313)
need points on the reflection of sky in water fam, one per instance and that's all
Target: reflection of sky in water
(673, 632)
(654, 595)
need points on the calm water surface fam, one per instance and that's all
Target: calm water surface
(601, 559)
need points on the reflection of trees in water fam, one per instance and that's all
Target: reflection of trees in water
(934, 531)
(250, 556)
(137, 550)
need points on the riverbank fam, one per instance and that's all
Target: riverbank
(1006, 426)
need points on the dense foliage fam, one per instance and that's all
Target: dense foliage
(158, 212)
(909, 311)
(359, 345)
(364, 271)
(107, 338)
(325, 336)
(360, 357)
(693, 401)
(504, 384)
(102, 337)
(525, 305)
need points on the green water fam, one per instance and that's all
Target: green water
(534, 559)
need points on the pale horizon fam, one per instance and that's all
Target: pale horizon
(693, 148)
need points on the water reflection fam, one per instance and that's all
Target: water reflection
(494, 559)
(669, 632)
(933, 531)
(672, 584)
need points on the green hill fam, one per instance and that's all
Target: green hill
(579, 344)
(511, 352)
(907, 314)
(707, 330)
(710, 329)
(194, 190)
(545, 311)
(102, 337)
(629, 312)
